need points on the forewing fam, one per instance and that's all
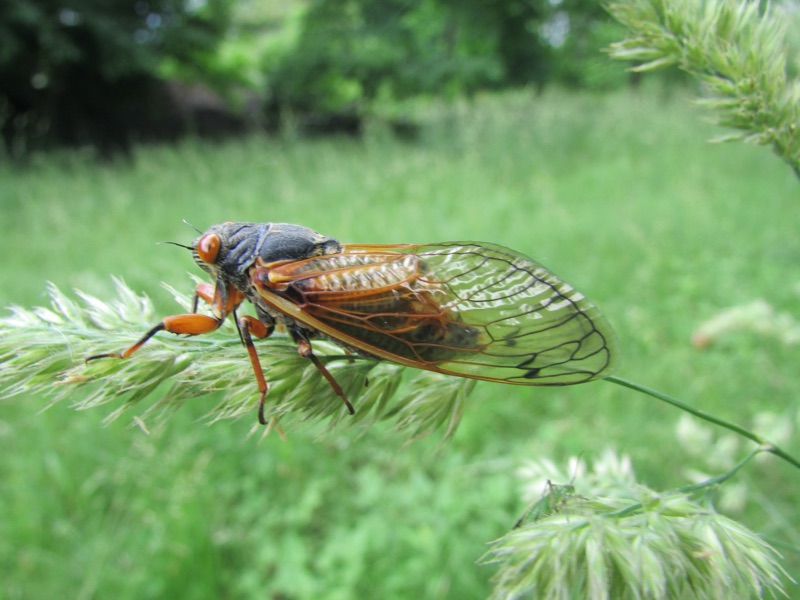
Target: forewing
(462, 308)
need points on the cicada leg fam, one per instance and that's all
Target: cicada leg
(188, 324)
(204, 291)
(185, 324)
(249, 327)
(305, 350)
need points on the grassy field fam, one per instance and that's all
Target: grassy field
(621, 195)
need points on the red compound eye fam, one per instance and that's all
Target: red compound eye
(208, 248)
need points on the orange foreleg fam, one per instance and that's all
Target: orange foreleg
(223, 302)
(188, 324)
(204, 291)
(191, 323)
(223, 299)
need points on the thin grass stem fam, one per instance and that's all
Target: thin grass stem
(764, 445)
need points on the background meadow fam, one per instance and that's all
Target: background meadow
(621, 194)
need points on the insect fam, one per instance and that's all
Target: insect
(553, 500)
(467, 309)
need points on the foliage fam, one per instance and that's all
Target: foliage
(116, 38)
(578, 32)
(686, 548)
(359, 513)
(89, 73)
(623, 542)
(611, 537)
(737, 51)
(72, 71)
(47, 345)
(350, 55)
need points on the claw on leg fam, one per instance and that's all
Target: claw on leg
(127, 352)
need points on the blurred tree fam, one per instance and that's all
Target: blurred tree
(106, 72)
(349, 53)
(579, 32)
(84, 71)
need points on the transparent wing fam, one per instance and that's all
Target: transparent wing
(462, 308)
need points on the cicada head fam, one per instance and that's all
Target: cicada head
(228, 250)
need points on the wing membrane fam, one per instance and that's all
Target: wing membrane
(462, 308)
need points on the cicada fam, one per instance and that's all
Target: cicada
(468, 309)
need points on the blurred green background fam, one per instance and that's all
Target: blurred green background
(432, 133)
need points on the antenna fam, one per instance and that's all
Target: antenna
(185, 222)
(178, 244)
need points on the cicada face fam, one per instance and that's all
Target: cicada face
(460, 308)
